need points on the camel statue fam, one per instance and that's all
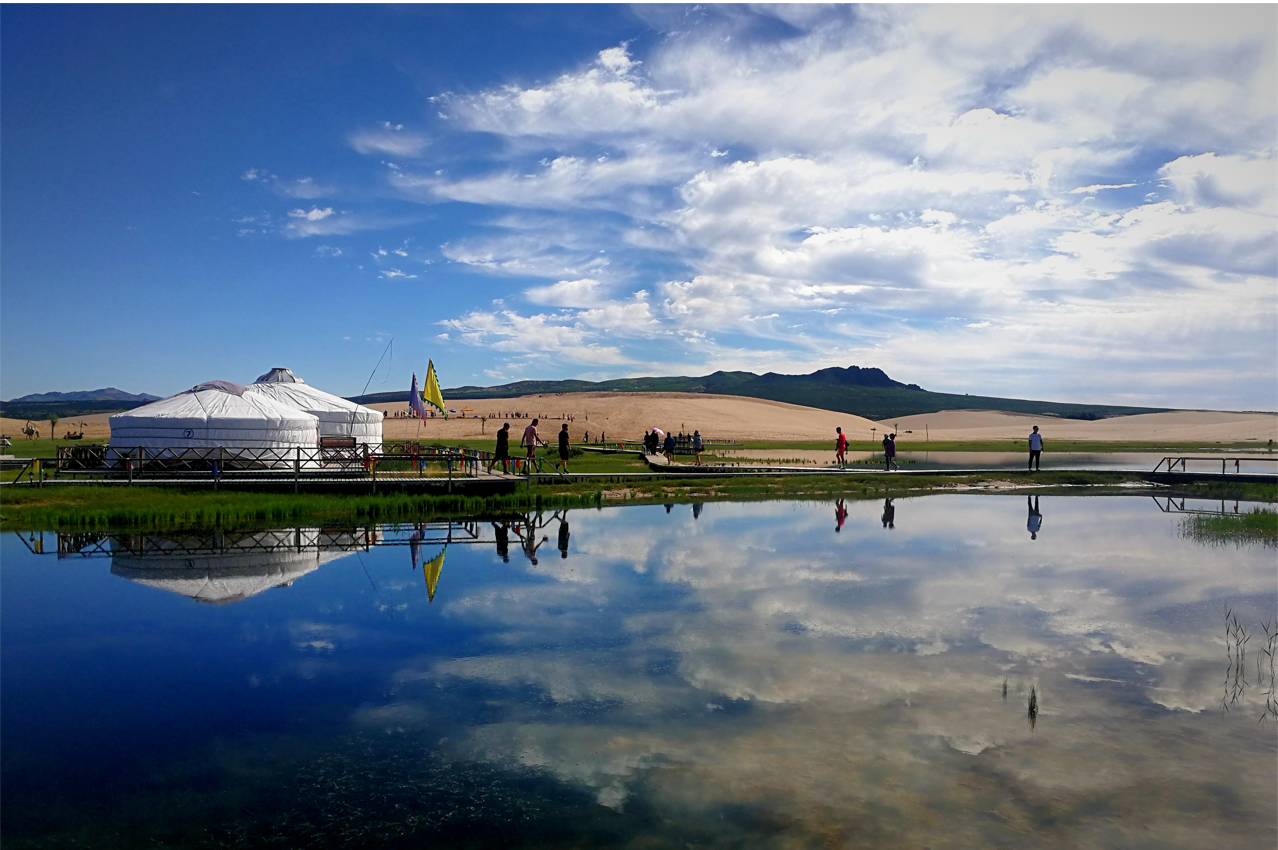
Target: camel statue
(32, 432)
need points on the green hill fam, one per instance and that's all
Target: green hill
(862, 392)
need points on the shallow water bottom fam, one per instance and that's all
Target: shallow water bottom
(943, 671)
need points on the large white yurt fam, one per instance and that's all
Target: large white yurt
(213, 414)
(337, 416)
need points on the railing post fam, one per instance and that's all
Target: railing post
(297, 467)
(449, 460)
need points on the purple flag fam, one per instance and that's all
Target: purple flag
(415, 399)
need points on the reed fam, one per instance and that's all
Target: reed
(1259, 525)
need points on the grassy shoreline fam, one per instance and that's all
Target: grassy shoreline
(102, 508)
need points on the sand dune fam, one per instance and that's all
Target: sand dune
(1178, 426)
(628, 415)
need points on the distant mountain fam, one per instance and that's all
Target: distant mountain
(105, 394)
(862, 392)
(38, 406)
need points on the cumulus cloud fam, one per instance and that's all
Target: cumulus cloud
(1051, 176)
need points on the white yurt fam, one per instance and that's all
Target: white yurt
(337, 416)
(213, 414)
(223, 574)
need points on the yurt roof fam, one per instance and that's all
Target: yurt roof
(222, 400)
(279, 375)
(297, 393)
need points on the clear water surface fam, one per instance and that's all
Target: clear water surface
(856, 674)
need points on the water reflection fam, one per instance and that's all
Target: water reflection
(1035, 522)
(741, 675)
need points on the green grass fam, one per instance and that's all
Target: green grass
(1260, 525)
(1248, 492)
(88, 507)
(44, 447)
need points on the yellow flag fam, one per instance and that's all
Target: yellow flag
(430, 393)
(432, 569)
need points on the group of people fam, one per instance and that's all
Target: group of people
(529, 442)
(653, 444)
(889, 450)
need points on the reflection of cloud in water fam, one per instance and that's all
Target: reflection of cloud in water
(861, 674)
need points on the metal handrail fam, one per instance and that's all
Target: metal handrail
(1172, 461)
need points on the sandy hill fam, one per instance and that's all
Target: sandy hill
(628, 415)
(1178, 426)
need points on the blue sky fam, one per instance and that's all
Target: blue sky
(1069, 203)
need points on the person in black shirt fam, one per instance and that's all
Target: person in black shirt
(502, 454)
(564, 534)
(563, 448)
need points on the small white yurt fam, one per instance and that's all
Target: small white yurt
(337, 416)
(213, 414)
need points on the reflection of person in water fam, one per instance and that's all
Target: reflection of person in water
(1035, 517)
(840, 515)
(502, 530)
(669, 507)
(889, 514)
(696, 510)
(527, 533)
(564, 534)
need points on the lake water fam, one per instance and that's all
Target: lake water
(780, 674)
(1263, 462)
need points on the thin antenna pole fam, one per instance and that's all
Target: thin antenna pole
(370, 378)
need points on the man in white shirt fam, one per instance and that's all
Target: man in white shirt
(1036, 450)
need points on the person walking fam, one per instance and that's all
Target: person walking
(1035, 521)
(563, 448)
(889, 451)
(670, 447)
(698, 445)
(502, 453)
(530, 439)
(841, 448)
(1035, 450)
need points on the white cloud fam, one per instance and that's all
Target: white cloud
(388, 140)
(891, 169)
(305, 188)
(315, 214)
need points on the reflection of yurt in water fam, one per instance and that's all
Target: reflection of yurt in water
(337, 416)
(213, 414)
(218, 569)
